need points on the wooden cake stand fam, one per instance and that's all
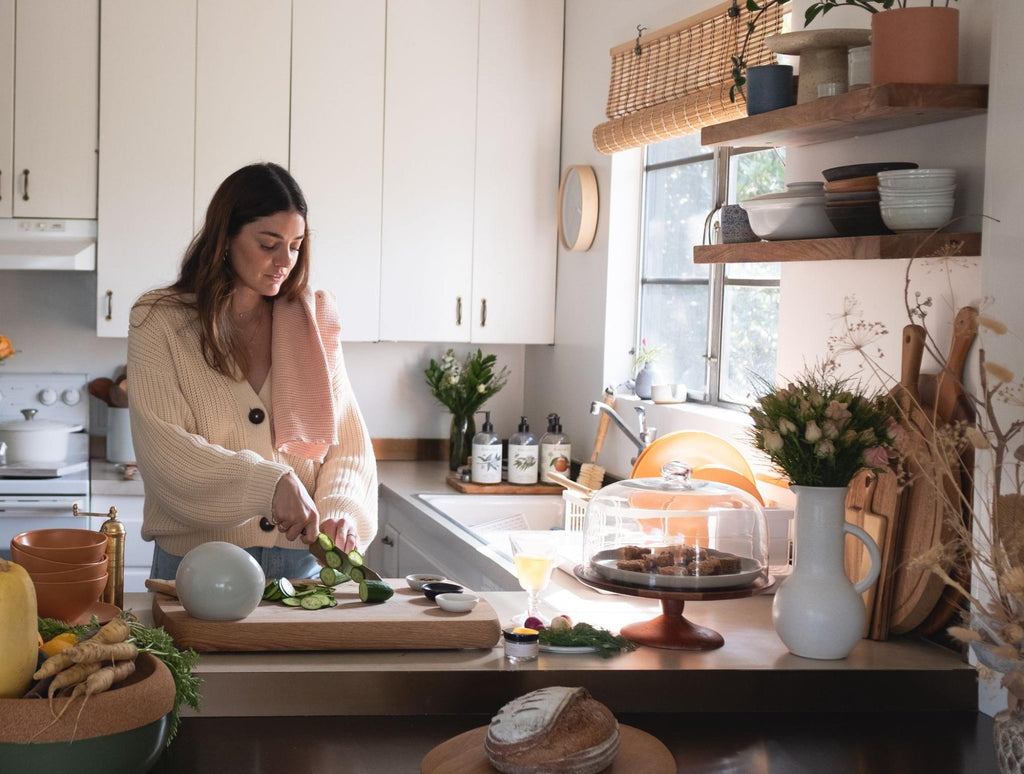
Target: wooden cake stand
(671, 629)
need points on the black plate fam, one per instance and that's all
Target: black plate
(862, 170)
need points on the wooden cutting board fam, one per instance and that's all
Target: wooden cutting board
(871, 504)
(465, 754)
(407, 621)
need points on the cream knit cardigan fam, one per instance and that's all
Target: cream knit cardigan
(209, 472)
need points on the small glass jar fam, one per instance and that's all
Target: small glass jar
(521, 646)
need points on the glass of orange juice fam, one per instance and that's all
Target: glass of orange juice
(534, 554)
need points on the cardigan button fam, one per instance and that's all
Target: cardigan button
(266, 525)
(256, 416)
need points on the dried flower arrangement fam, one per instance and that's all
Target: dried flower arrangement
(984, 518)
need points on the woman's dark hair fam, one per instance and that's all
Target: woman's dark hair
(247, 194)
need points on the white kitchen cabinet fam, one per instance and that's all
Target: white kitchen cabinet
(243, 81)
(49, 86)
(519, 109)
(471, 154)
(429, 156)
(147, 143)
(337, 138)
(138, 553)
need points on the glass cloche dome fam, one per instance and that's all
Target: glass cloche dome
(675, 533)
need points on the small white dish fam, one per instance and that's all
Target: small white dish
(416, 580)
(568, 650)
(457, 603)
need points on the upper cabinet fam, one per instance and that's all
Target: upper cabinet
(471, 155)
(147, 142)
(49, 60)
(337, 140)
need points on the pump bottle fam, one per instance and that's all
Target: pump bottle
(485, 467)
(523, 455)
(555, 450)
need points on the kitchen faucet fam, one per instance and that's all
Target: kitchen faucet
(641, 441)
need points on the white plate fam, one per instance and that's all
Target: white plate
(604, 564)
(570, 650)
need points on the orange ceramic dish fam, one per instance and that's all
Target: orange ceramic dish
(67, 601)
(63, 545)
(33, 563)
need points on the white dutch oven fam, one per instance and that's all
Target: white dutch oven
(36, 440)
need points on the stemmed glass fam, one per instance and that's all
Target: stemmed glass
(534, 554)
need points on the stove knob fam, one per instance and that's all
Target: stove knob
(48, 397)
(71, 397)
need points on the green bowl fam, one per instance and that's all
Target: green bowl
(128, 752)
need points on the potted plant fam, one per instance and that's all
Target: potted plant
(740, 70)
(909, 44)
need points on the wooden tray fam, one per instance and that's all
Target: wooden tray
(467, 487)
(407, 621)
(464, 754)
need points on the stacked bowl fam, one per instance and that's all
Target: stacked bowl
(796, 213)
(852, 197)
(916, 199)
(68, 568)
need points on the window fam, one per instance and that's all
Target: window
(717, 323)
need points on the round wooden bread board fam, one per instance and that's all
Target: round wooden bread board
(464, 754)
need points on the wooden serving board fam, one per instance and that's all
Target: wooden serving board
(467, 487)
(465, 754)
(407, 621)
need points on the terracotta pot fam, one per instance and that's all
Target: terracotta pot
(915, 45)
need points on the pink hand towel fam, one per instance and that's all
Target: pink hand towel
(304, 349)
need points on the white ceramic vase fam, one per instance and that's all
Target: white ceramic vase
(645, 379)
(818, 612)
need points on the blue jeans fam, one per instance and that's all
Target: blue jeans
(276, 563)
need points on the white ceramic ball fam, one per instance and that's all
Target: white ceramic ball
(219, 581)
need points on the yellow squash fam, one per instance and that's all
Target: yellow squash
(19, 633)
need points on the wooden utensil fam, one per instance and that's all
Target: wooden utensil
(916, 591)
(100, 388)
(856, 560)
(162, 587)
(592, 475)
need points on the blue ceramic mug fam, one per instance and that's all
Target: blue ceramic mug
(769, 87)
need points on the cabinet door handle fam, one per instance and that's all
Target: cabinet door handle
(387, 541)
(458, 310)
(483, 312)
(25, 195)
(110, 305)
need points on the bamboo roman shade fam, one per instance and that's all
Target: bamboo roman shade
(680, 80)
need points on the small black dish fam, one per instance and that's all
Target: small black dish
(863, 170)
(431, 590)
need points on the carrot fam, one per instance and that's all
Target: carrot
(76, 673)
(115, 630)
(102, 679)
(102, 651)
(55, 664)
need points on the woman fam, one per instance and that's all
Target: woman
(243, 418)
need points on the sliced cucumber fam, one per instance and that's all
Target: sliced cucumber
(357, 574)
(375, 591)
(286, 587)
(314, 602)
(325, 541)
(355, 558)
(292, 601)
(334, 559)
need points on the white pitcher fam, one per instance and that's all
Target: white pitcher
(818, 612)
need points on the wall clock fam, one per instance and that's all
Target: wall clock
(577, 208)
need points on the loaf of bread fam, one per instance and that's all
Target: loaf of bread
(550, 730)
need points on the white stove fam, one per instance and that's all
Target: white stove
(41, 496)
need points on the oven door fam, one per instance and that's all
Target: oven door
(20, 513)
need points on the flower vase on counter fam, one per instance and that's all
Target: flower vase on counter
(460, 440)
(818, 613)
(644, 380)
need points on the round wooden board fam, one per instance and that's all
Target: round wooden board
(464, 754)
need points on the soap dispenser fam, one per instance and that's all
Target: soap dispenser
(523, 455)
(486, 465)
(555, 450)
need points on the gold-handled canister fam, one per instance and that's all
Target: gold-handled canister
(114, 530)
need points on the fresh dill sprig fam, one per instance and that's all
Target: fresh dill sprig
(604, 643)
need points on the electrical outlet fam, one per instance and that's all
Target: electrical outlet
(43, 226)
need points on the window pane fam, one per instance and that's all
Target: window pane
(676, 318)
(753, 271)
(678, 148)
(677, 203)
(756, 173)
(750, 341)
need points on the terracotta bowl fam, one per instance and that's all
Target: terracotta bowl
(63, 545)
(33, 563)
(84, 573)
(68, 600)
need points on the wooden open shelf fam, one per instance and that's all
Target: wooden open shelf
(859, 112)
(920, 244)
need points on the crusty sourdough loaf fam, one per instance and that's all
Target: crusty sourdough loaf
(563, 730)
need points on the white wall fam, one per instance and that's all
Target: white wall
(594, 287)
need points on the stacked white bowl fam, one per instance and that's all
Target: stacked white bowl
(916, 199)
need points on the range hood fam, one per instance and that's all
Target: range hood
(41, 243)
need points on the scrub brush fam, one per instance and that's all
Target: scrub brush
(592, 475)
